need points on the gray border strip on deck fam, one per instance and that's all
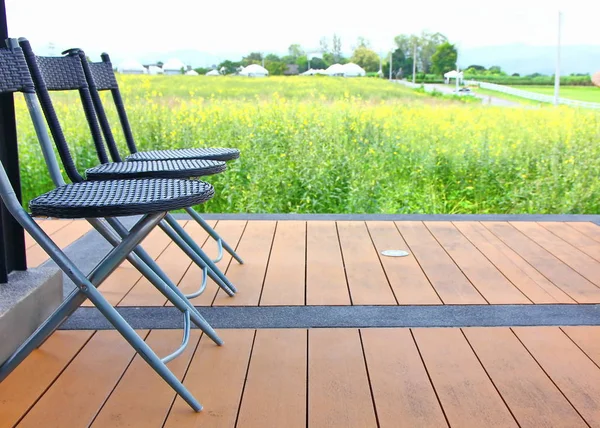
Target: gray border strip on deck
(402, 217)
(87, 318)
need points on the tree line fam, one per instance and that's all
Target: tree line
(434, 54)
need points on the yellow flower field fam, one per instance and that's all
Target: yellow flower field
(332, 145)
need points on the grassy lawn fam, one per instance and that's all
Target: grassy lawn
(581, 93)
(334, 145)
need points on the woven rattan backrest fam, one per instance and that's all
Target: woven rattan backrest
(101, 77)
(14, 74)
(63, 73)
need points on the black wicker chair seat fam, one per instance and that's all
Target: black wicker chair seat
(120, 198)
(156, 169)
(222, 154)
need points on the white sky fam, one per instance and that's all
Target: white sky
(224, 26)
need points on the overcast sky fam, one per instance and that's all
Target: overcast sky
(222, 26)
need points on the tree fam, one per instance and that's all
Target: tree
(253, 58)
(401, 65)
(295, 51)
(229, 67)
(324, 45)
(426, 44)
(361, 42)
(366, 58)
(476, 68)
(496, 69)
(316, 63)
(337, 48)
(444, 59)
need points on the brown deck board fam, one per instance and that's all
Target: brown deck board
(284, 282)
(63, 237)
(77, 395)
(468, 397)
(48, 226)
(531, 396)
(484, 276)
(533, 284)
(402, 391)
(449, 282)
(216, 378)
(142, 398)
(577, 239)
(22, 388)
(410, 285)
(275, 392)
(231, 232)
(366, 278)
(563, 276)
(568, 254)
(118, 284)
(255, 248)
(589, 229)
(325, 278)
(588, 339)
(338, 387)
(571, 370)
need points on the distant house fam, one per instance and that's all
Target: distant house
(173, 66)
(213, 73)
(291, 70)
(154, 69)
(131, 67)
(191, 73)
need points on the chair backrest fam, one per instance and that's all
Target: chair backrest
(101, 77)
(14, 77)
(63, 74)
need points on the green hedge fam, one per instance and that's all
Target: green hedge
(539, 80)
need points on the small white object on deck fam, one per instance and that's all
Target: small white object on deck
(395, 253)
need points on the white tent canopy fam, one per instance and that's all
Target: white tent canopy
(335, 70)
(312, 72)
(131, 66)
(254, 70)
(191, 73)
(213, 73)
(353, 70)
(454, 74)
(173, 66)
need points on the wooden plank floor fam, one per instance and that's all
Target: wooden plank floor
(340, 263)
(471, 377)
(370, 377)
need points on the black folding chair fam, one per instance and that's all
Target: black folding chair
(150, 198)
(101, 77)
(66, 73)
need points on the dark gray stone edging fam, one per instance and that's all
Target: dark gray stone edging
(402, 217)
(348, 316)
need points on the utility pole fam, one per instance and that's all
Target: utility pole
(414, 62)
(391, 65)
(557, 71)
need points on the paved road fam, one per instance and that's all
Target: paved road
(488, 100)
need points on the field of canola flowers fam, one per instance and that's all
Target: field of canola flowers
(333, 145)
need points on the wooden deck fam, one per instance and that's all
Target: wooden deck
(370, 377)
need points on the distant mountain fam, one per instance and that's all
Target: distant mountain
(524, 59)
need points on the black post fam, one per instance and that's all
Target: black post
(12, 237)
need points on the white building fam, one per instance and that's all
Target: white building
(254, 70)
(131, 66)
(154, 70)
(173, 66)
(191, 73)
(213, 73)
(335, 70)
(312, 72)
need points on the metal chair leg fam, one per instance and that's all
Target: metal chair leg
(170, 220)
(166, 287)
(213, 233)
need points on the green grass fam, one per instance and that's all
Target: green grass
(318, 145)
(580, 93)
